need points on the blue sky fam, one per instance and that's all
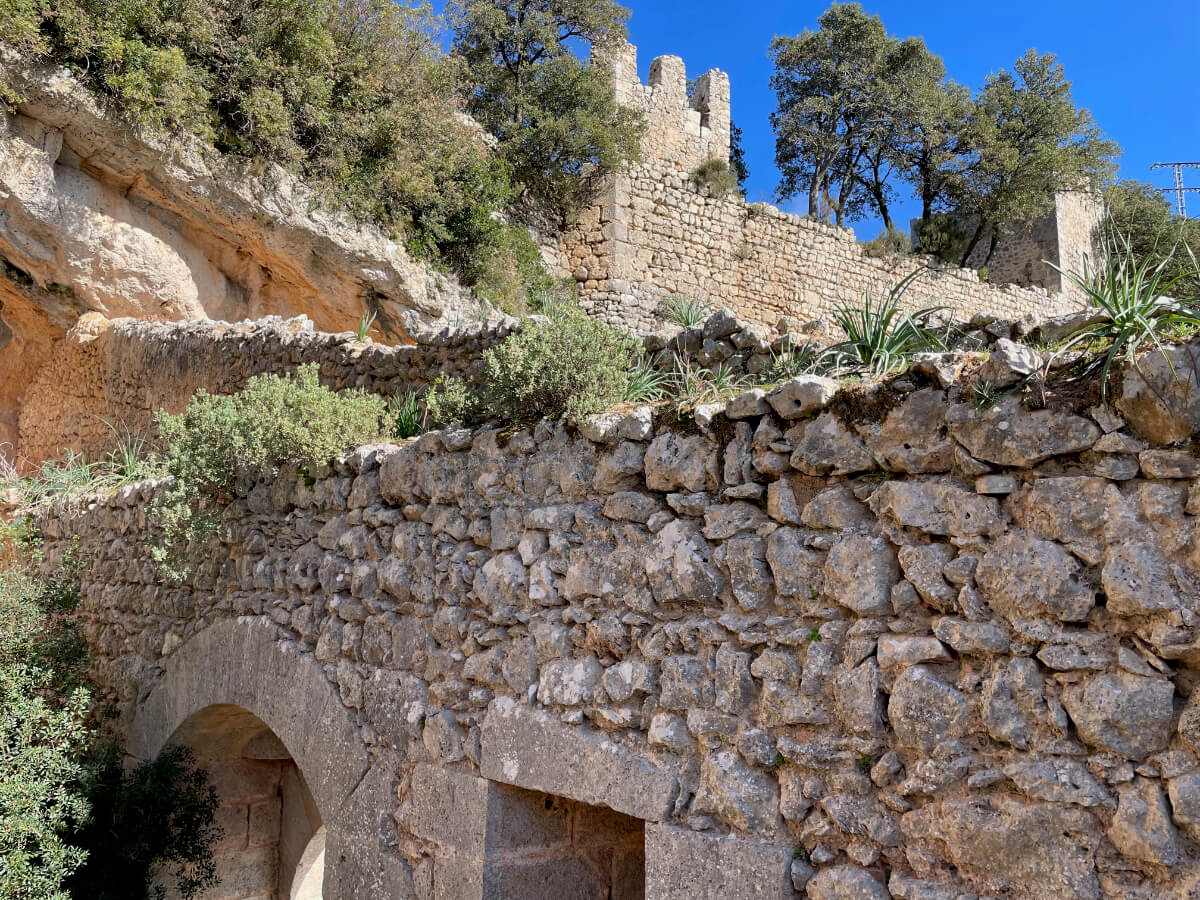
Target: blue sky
(1134, 65)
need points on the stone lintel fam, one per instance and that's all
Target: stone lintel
(530, 748)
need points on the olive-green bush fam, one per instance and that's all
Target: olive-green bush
(566, 366)
(43, 733)
(274, 422)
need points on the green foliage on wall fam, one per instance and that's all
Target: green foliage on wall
(273, 422)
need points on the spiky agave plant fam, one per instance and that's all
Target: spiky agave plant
(879, 335)
(646, 383)
(1135, 304)
(683, 310)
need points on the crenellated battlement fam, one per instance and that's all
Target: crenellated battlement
(685, 130)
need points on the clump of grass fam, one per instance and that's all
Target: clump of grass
(693, 384)
(407, 414)
(985, 394)
(1134, 298)
(803, 359)
(647, 384)
(879, 335)
(683, 310)
(714, 178)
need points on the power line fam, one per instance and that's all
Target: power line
(1179, 190)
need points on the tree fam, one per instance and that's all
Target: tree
(556, 118)
(42, 733)
(737, 156)
(844, 108)
(1025, 140)
(1139, 212)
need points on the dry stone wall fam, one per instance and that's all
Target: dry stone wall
(108, 377)
(865, 643)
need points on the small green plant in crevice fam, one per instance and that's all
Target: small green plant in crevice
(683, 310)
(802, 359)
(865, 762)
(273, 423)
(714, 178)
(985, 394)
(879, 336)
(814, 635)
(777, 763)
(1134, 299)
(365, 324)
(694, 384)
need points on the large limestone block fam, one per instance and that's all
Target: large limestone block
(1160, 397)
(1130, 715)
(686, 865)
(531, 749)
(1008, 434)
(1022, 576)
(937, 507)
(1011, 848)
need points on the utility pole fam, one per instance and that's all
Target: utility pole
(1179, 190)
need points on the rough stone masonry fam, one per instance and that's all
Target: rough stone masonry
(857, 643)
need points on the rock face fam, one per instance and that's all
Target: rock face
(95, 217)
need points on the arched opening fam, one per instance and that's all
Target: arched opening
(273, 838)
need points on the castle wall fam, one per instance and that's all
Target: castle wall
(812, 648)
(652, 233)
(1068, 236)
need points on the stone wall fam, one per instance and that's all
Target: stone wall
(866, 643)
(652, 233)
(1068, 236)
(108, 377)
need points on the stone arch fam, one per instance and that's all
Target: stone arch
(240, 672)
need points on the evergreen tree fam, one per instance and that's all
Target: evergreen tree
(556, 118)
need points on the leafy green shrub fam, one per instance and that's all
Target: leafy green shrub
(42, 734)
(272, 423)
(565, 368)
(353, 96)
(714, 178)
(887, 243)
(1134, 297)
(158, 817)
(452, 401)
(940, 236)
(512, 275)
(879, 336)
(683, 310)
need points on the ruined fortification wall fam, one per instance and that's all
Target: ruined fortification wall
(948, 651)
(107, 378)
(1068, 236)
(653, 234)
